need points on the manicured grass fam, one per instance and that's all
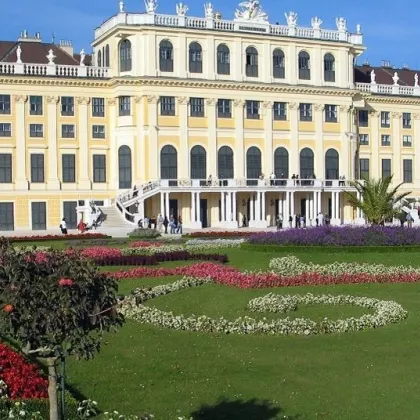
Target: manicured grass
(365, 375)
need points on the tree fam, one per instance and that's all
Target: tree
(379, 200)
(55, 304)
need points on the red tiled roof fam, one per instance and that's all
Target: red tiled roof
(384, 75)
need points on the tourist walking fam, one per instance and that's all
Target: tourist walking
(290, 221)
(160, 223)
(279, 222)
(244, 222)
(321, 219)
(179, 227)
(272, 178)
(172, 224)
(63, 226)
(165, 224)
(297, 221)
(302, 221)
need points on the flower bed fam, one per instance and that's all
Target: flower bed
(386, 312)
(23, 379)
(204, 245)
(228, 234)
(56, 237)
(341, 236)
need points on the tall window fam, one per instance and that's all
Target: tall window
(224, 108)
(406, 120)
(385, 119)
(124, 167)
(168, 163)
(36, 130)
(225, 163)
(280, 111)
(4, 104)
(197, 107)
(37, 167)
(253, 110)
(305, 112)
(67, 106)
(67, 131)
(407, 141)
(253, 163)
(304, 63)
(385, 140)
(99, 58)
(99, 168)
(166, 56)
(251, 66)
(69, 167)
(124, 105)
(278, 64)
(364, 169)
(364, 139)
(39, 215)
(329, 68)
(281, 163)
(106, 58)
(223, 59)
(196, 58)
(98, 107)
(167, 105)
(408, 170)
(332, 164)
(386, 168)
(7, 216)
(331, 113)
(98, 131)
(5, 168)
(307, 163)
(198, 163)
(35, 105)
(125, 55)
(363, 118)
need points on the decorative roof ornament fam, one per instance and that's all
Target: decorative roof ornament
(416, 80)
(395, 78)
(251, 10)
(19, 55)
(358, 29)
(82, 57)
(373, 77)
(51, 57)
(121, 6)
(341, 24)
(316, 22)
(151, 5)
(181, 9)
(291, 19)
(209, 10)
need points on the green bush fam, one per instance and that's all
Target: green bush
(144, 233)
(329, 249)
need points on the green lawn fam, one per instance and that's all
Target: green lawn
(365, 375)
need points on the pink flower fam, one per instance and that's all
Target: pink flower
(65, 282)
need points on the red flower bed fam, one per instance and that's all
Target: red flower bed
(232, 277)
(56, 237)
(23, 379)
(101, 252)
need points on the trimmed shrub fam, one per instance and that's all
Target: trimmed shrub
(144, 233)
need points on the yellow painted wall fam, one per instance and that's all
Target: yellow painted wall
(225, 123)
(254, 124)
(165, 121)
(195, 122)
(306, 126)
(331, 127)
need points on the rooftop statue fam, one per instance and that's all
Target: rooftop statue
(316, 22)
(151, 6)
(181, 9)
(395, 78)
(209, 10)
(291, 18)
(373, 77)
(251, 10)
(416, 80)
(341, 24)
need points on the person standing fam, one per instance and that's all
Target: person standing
(272, 179)
(160, 223)
(179, 227)
(279, 222)
(63, 226)
(321, 219)
(172, 224)
(290, 221)
(165, 224)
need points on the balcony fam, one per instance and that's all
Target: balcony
(388, 89)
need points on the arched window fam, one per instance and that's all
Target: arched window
(304, 66)
(225, 163)
(278, 64)
(329, 68)
(168, 163)
(307, 164)
(223, 59)
(166, 56)
(125, 55)
(124, 167)
(106, 59)
(281, 163)
(196, 58)
(253, 165)
(99, 58)
(251, 67)
(198, 163)
(332, 168)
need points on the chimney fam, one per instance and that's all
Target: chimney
(66, 46)
(25, 37)
(366, 62)
(405, 67)
(386, 64)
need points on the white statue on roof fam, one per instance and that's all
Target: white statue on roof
(209, 10)
(82, 57)
(151, 5)
(358, 28)
(19, 55)
(181, 9)
(291, 18)
(395, 78)
(373, 77)
(416, 80)
(121, 6)
(51, 57)
(341, 24)
(316, 22)
(251, 10)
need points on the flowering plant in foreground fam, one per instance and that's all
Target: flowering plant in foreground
(386, 312)
(341, 236)
(56, 237)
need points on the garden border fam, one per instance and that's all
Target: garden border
(332, 249)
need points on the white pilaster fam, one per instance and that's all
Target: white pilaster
(311, 209)
(212, 143)
(292, 203)
(294, 138)
(239, 155)
(319, 202)
(234, 211)
(223, 204)
(396, 139)
(162, 204)
(113, 148)
(83, 130)
(198, 218)
(154, 153)
(52, 181)
(252, 208)
(307, 211)
(286, 212)
(345, 118)
(374, 169)
(140, 176)
(21, 181)
(193, 201)
(319, 145)
(416, 145)
(258, 208)
(332, 205)
(268, 162)
(263, 208)
(167, 205)
(184, 169)
(228, 207)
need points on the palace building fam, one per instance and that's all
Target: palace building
(208, 118)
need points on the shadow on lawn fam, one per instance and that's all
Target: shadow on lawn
(241, 410)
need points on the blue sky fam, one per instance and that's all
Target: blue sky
(390, 31)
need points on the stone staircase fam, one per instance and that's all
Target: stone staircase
(114, 225)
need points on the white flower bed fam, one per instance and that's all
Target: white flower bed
(386, 312)
(204, 245)
(292, 266)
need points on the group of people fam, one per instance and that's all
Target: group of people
(300, 220)
(161, 224)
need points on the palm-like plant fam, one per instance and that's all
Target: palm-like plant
(379, 201)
